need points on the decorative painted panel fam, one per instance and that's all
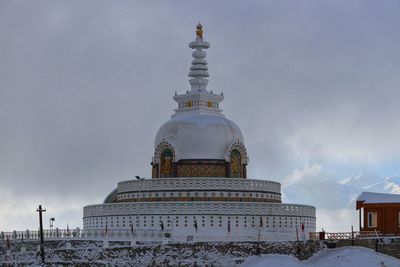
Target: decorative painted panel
(166, 168)
(202, 170)
(236, 164)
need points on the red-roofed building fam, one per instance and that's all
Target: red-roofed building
(380, 212)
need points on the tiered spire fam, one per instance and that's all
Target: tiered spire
(199, 70)
(198, 99)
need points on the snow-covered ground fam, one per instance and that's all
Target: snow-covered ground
(340, 257)
(85, 253)
(280, 254)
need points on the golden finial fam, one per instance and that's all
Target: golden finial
(199, 31)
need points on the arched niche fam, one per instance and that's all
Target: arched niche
(236, 157)
(166, 163)
(163, 160)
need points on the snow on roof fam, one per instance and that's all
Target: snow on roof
(370, 197)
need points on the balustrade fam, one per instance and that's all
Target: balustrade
(346, 235)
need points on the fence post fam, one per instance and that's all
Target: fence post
(352, 236)
(78, 232)
(298, 249)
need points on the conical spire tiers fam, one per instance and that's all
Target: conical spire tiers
(199, 69)
(198, 100)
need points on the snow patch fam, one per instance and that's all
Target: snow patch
(343, 257)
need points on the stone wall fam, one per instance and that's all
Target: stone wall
(93, 253)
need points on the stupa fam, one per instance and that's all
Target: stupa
(199, 190)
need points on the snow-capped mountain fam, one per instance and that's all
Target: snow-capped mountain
(374, 183)
(328, 193)
(361, 180)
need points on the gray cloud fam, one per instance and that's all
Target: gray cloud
(84, 87)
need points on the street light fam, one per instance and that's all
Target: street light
(40, 210)
(140, 192)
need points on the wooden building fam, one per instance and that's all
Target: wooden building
(380, 212)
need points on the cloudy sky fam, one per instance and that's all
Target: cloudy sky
(84, 86)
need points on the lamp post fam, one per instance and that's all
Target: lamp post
(40, 210)
(140, 192)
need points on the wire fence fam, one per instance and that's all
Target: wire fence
(78, 233)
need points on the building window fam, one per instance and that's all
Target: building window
(372, 219)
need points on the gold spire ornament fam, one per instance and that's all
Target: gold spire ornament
(199, 31)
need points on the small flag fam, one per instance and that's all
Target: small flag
(303, 235)
(162, 226)
(229, 226)
(195, 225)
(261, 222)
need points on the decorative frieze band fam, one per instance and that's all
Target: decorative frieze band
(255, 209)
(199, 183)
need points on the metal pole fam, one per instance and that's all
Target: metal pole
(40, 210)
(140, 192)
(352, 236)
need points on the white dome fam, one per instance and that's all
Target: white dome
(199, 136)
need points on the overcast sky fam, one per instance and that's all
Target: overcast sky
(84, 86)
